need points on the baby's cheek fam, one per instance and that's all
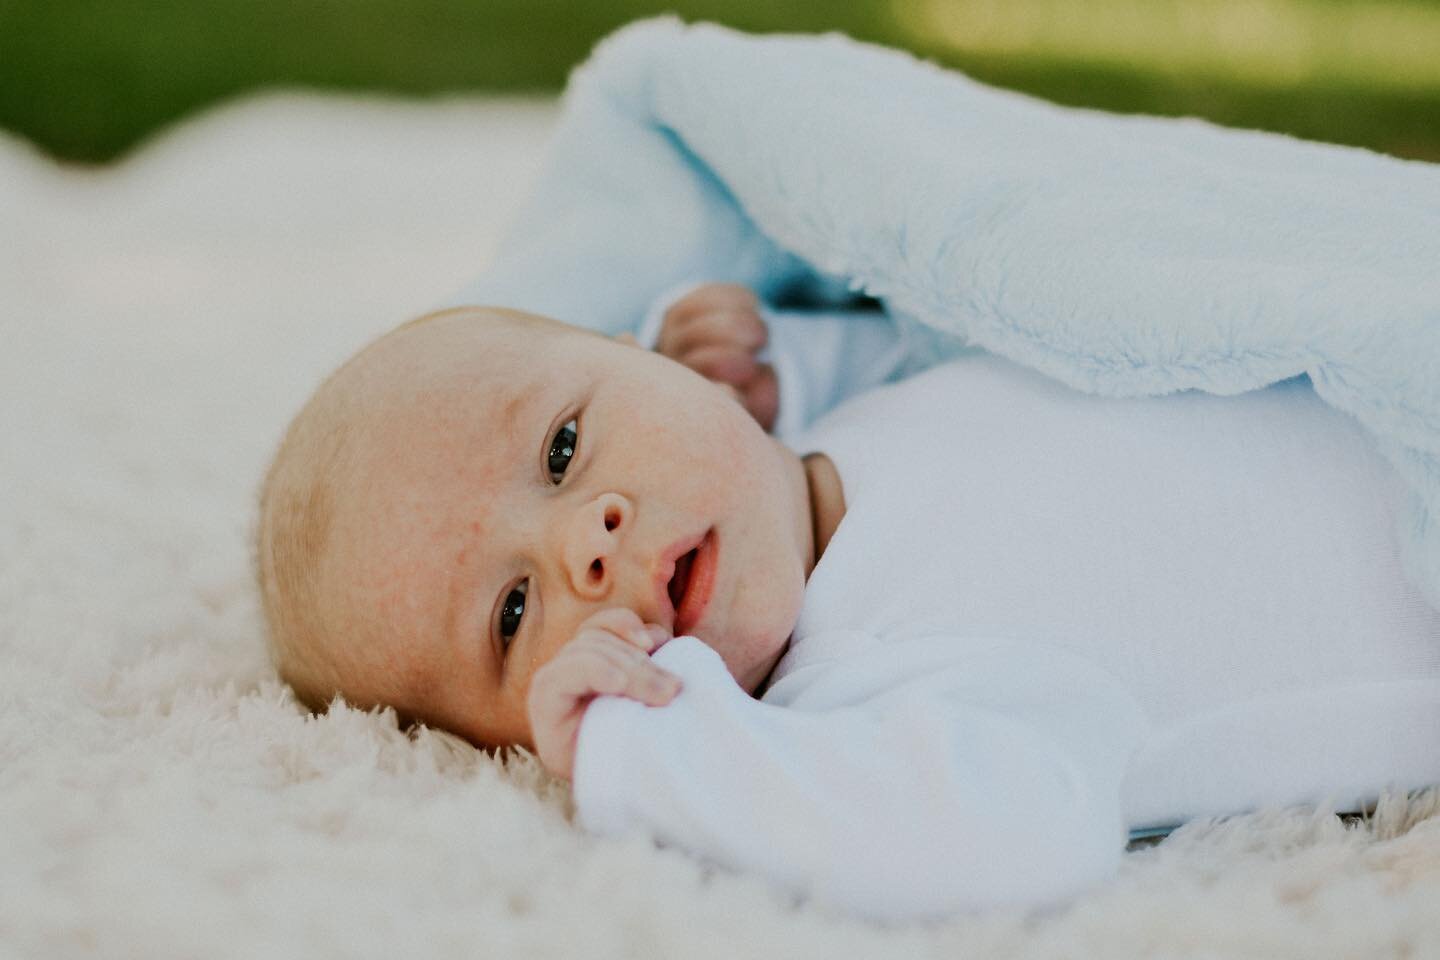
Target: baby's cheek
(744, 441)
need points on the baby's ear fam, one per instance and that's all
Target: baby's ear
(628, 338)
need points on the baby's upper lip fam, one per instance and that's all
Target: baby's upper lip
(665, 571)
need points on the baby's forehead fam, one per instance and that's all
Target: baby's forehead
(473, 348)
(444, 390)
(460, 378)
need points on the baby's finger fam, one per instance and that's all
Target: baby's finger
(594, 656)
(737, 328)
(714, 296)
(722, 364)
(761, 396)
(572, 675)
(623, 623)
(617, 670)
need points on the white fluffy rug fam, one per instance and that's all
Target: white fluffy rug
(160, 793)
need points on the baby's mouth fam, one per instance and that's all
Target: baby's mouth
(681, 580)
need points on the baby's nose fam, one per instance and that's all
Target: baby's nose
(592, 543)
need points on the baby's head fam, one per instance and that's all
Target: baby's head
(459, 496)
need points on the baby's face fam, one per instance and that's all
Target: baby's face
(518, 477)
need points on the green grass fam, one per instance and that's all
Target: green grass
(89, 79)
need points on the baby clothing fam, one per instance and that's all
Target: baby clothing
(1046, 619)
(1231, 560)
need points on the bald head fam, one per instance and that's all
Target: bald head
(314, 640)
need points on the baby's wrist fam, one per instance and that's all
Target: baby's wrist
(648, 333)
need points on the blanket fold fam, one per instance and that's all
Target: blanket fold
(1122, 255)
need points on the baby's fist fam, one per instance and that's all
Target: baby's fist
(609, 654)
(716, 330)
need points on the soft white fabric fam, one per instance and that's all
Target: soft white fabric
(1231, 559)
(1035, 595)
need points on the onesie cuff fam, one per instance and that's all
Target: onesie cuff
(600, 776)
(624, 746)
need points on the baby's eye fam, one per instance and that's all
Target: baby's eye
(512, 610)
(562, 449)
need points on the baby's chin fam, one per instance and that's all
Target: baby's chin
(752, 662)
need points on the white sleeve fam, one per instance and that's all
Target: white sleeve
(957, 780)
(820, 357)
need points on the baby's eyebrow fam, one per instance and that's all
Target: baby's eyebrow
(513, 408)
(460, 600)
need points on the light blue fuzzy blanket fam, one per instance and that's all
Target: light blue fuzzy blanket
(1124, 256)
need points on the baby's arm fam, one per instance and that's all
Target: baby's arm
(951, 774)
(786, 367)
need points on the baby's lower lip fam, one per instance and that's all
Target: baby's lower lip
(700, 586)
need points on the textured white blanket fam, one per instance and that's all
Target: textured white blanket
(161, 795)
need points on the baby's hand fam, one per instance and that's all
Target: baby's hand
(716, 330)
(610, 653)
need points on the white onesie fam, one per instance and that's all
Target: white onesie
(1046, 618)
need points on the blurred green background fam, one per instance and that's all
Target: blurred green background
(88, 79)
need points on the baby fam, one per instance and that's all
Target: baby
(488, 517)
(938, 649)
